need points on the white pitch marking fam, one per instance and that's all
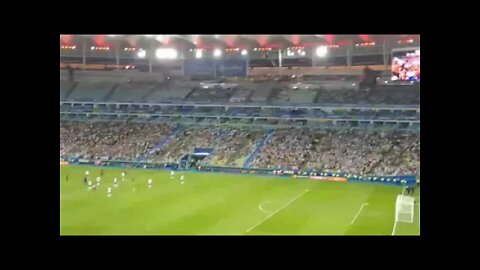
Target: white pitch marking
(394, 227)
(261, 208)
(418, 213)
(278, 210)
(358, 212)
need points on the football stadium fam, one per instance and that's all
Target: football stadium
(240, 135)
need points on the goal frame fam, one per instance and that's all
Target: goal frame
(404, 205)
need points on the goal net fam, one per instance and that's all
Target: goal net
(404, 208)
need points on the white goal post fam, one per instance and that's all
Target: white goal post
(404, 208)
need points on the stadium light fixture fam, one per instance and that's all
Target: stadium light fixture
(198, 54)
(321, 51)
(244, 52)
(166, 53)
(217, 53)
(142, 54)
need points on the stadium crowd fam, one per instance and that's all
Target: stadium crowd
(113, 140)
(355, 151)
(231, 145)
(352, 151)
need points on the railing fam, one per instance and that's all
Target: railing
(214, 116)
(256, 105)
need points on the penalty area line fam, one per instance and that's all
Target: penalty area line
(278, 210)
(358, 213)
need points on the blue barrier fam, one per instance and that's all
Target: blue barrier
(401, 180)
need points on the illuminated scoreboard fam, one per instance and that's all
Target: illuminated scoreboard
(406, 64)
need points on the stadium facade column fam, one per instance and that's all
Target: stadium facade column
(150, 55)
(84, 57)
(182, 52)
(247, 63)
(385, 52)
(182, 59)
(214, 68)
(279, 58)
(313, 57)
(349, 56)
(117, 54)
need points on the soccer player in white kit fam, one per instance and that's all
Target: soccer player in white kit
(182, 178)
(98, 180)
(115, 182)
(109, 192)
(123, 176)
(87, 173)
(172, 174)
(89, 184)
(150, 183)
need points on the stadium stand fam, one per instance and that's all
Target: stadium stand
(65, 88)
(132, 92)
(354, 151)
(90, 91)
(381, 95)
(261, 95)
(357, 152)
(230, 144)
(241, 96)
(167, 93)
(241, 92)
(210, 95)
(234, 151)
(126, 141)
(296, 96)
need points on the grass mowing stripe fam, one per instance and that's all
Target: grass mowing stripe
(223, 204)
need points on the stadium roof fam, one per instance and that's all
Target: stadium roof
(236, 41)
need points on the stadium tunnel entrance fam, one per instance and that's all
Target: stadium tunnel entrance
(192, 160)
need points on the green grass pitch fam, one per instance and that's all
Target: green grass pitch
(225, 204)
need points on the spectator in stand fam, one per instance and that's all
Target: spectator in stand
(126, 141)
(351, 151)
(357, 152)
